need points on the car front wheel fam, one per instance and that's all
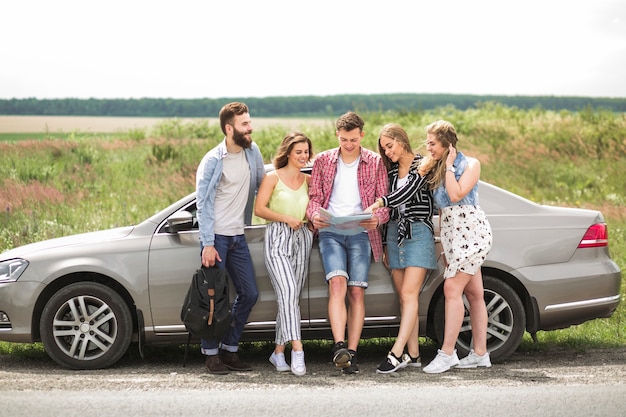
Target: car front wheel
(506, 321)
(86, 325)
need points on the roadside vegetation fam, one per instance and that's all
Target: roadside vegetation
(61, 184)
(290, 106)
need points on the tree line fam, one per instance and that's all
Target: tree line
(294, 106)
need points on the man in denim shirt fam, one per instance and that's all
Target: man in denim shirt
(227, 180)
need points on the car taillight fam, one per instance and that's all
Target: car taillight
(597, 235)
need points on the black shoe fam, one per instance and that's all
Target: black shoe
(341, 355)
(411, 361)
(353, 368)
(214, 365)
(391, 364)
(232, 361)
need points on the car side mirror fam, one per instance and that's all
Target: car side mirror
(179, 221)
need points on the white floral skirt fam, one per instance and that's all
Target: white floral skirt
(466, 238)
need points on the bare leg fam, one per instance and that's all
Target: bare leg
(455, 310)
(356, 315)
(337, 314)
(408, 283)
(474, 292)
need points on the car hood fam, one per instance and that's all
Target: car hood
(73, 240)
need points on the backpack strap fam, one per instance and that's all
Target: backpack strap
(210, 279)
(211, 305)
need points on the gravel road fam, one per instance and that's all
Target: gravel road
(559, 366)
(556, 383)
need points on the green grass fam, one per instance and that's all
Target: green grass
(55, 184)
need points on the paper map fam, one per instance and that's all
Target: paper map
(344, 225)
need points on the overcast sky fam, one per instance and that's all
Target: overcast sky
(248, 48)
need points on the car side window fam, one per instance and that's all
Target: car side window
(191, 208)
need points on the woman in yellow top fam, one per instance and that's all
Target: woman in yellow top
(282, 200)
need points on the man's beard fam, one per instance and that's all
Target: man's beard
(240, 139)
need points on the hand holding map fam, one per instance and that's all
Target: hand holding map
(344, 225)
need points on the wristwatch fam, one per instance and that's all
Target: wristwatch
(452, 170)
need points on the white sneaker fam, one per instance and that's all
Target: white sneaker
(278, 360)
(442, 362)
(474, 361)
(298, 367)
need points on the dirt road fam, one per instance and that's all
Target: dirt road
(55, 124)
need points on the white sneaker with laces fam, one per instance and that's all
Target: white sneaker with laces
(298, 367)
(278, 360)
(474, 361)
(442, 362)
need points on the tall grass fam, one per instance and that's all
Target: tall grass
(64, 184)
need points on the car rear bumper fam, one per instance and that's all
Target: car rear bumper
(568, 296)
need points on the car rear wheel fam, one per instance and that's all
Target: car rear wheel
(506, 321)
(86, 325)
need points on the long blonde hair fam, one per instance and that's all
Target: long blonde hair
(446, 135)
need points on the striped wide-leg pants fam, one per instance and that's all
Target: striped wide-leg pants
(287, 262)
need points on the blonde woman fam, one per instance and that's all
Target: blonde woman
(282, 199)
(466, 239)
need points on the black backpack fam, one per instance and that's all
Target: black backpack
(206, 309)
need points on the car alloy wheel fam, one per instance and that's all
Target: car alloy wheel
(86, 326)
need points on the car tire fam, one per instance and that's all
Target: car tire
(86, 325)
(506, 321)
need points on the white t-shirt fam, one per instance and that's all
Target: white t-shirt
(345, 199)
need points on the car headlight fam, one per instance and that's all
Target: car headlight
(12, 269)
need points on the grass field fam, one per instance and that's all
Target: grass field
(62, 176)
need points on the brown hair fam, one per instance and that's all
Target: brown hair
(228, 113)
(286, 146)
(446, 134)
(349, 121)
(397, 133)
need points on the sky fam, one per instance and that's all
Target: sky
(246, 48)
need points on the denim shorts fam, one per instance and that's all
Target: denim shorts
(418, 251)
(347, 256)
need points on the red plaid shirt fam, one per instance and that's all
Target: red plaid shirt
(373, 183)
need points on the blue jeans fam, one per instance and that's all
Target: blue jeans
(347, 256)
(237, 260)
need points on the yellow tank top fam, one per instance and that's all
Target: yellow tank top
(284, 200)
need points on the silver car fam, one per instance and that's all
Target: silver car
(88, 296)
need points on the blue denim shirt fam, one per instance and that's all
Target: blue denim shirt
(207, 179)
(440, 195)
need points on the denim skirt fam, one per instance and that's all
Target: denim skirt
(418, 251)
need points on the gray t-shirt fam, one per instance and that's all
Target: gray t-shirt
(232, 195)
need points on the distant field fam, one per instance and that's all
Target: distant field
(54, 124)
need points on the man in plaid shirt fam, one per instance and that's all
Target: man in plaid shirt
(345, 181)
